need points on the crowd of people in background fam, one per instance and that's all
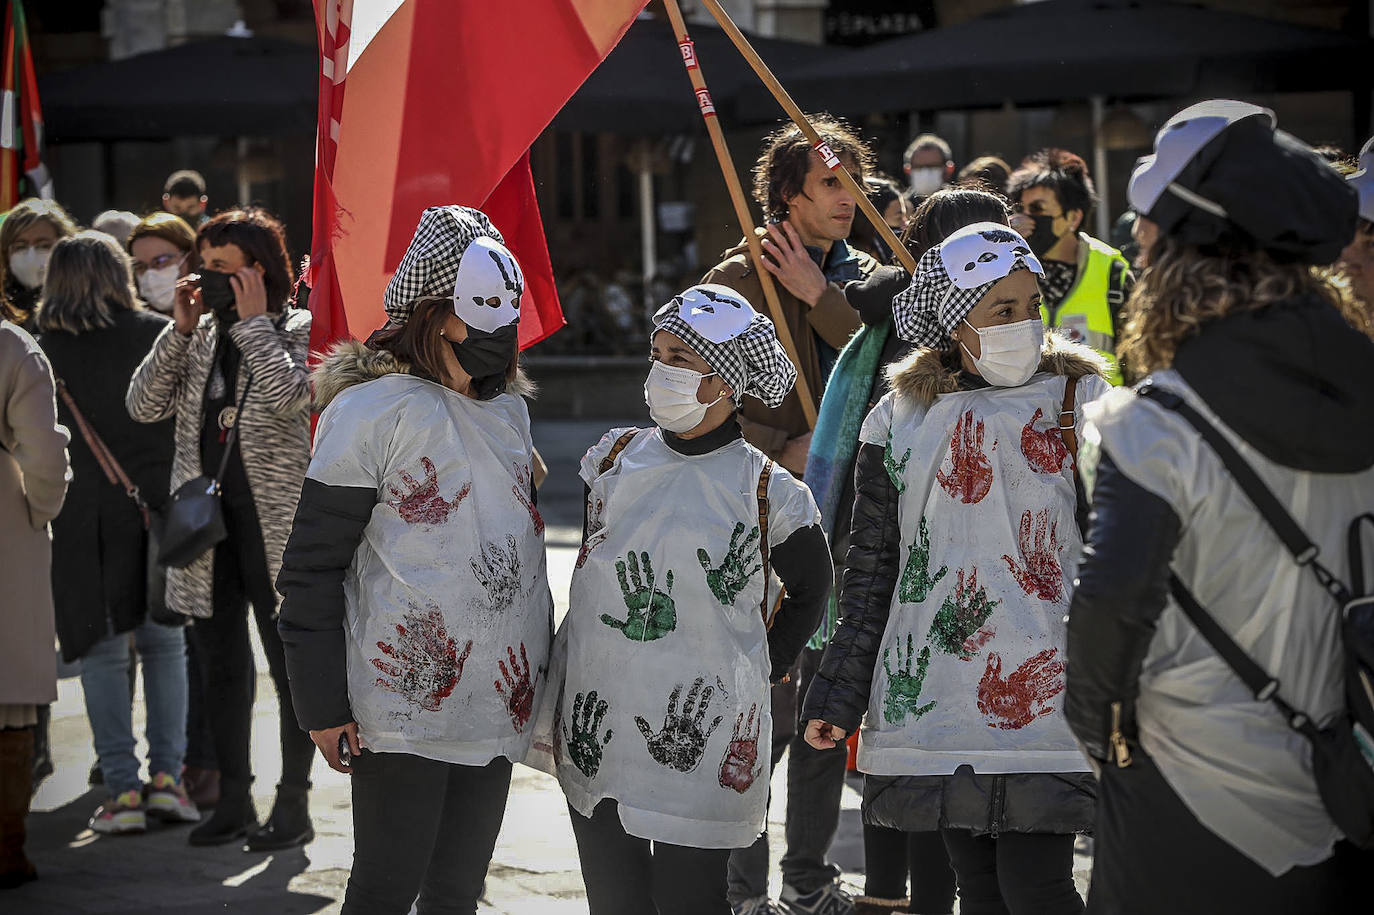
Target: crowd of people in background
(1009, 516)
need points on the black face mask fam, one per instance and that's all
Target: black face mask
(218, 296)
(485, 357)
(1042, 237)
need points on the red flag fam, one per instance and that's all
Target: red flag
(22, 173)
(442, 101)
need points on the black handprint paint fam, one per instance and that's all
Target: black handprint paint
(498, 573)
(734, 573)
(652, 613)
(682, 742)
(515, 283)
(584, 745)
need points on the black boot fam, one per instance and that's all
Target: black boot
(288, 826)
(233, 819)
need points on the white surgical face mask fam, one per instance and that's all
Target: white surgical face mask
(158, 287)
(1010, 352)
(926, 179)
(671, 394)
(30, 266)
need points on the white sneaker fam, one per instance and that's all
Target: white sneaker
(759, 905)
(828, 900)
(167, 801)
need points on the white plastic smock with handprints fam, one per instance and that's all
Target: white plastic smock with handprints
(449, 614)
(1232, 758)
(661, 667)
(971, 668)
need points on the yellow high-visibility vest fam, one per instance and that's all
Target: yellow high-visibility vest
(1085, 315)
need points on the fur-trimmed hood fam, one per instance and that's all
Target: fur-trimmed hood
(349, 362)
(924, 376)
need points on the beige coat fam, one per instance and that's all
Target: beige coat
(33, 482)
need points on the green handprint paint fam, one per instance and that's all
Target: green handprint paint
(903, 686)
(585, 743)
(917, 582)
(963, 613)
(652, 613)
(733, 575)
(895, 468)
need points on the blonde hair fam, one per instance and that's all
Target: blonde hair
(1184, 289)
(19, 219)
(89, 279)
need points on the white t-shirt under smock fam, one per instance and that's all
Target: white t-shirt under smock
(971, 668)
(449, 614)
(660, 670)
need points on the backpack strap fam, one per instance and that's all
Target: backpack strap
(620, 445)
(1068, 426)
(1284, 525)
(765, 475)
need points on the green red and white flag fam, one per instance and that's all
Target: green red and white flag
(430, 102)
(22, 173)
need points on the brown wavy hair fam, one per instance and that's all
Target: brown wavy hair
(1186, 287)
(262, 239)
(780, 172)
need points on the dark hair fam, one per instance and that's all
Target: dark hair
(989, 172)
(1064, 173)
(949, 209)
(780, 172)
(418, 343)
(89, 280)
(185, 183)
(262, 240)
(882, 190)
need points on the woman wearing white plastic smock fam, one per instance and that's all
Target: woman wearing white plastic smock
(417, 613)
(1209, 797)
(961, 561)
(668, 648)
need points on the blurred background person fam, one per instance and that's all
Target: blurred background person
(33, 481)
(27, 235)
(1086, 281)
(1208, 801)
(235, 356)
(988, 172)
(115, 223)
(95, 333)
(163, 248)
(893, 205)
(928, 164)
(1356, 262)
(183, 195)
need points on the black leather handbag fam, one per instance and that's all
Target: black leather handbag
(192, 521)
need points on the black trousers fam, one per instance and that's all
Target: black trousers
(1017, 873)
(422, 828)
(1152, 855)
(627, 875)
(890, 855)
(225, 655)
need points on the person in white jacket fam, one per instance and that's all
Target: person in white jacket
(662, 668)
(417, 613)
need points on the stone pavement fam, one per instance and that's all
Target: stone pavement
(534, 869)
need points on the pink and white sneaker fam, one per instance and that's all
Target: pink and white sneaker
(167, 801)
(121, 815)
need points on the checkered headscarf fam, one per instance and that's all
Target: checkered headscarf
(952, 276)
(430, 265)
(737, 342)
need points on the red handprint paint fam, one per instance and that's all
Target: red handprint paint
(422, 504)
(522, 487)
(1044, 448)
(1025, 695)
(594, 532)
(1038, 573)
(518, 692)
(975, 643)
(970, 475)
(424, 664)
(739, 767)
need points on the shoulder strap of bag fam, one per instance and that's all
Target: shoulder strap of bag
(1294, 538)
(620, 445)
(767, 610)
(233, 432)
(1068, 426)
(103, 456)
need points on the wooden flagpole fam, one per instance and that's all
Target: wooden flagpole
(741, 203)
(804, 125)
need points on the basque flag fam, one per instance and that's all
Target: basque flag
(22, 172)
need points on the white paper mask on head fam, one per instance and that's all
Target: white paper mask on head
(716, 312)
(984, 253)
(487, 291)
